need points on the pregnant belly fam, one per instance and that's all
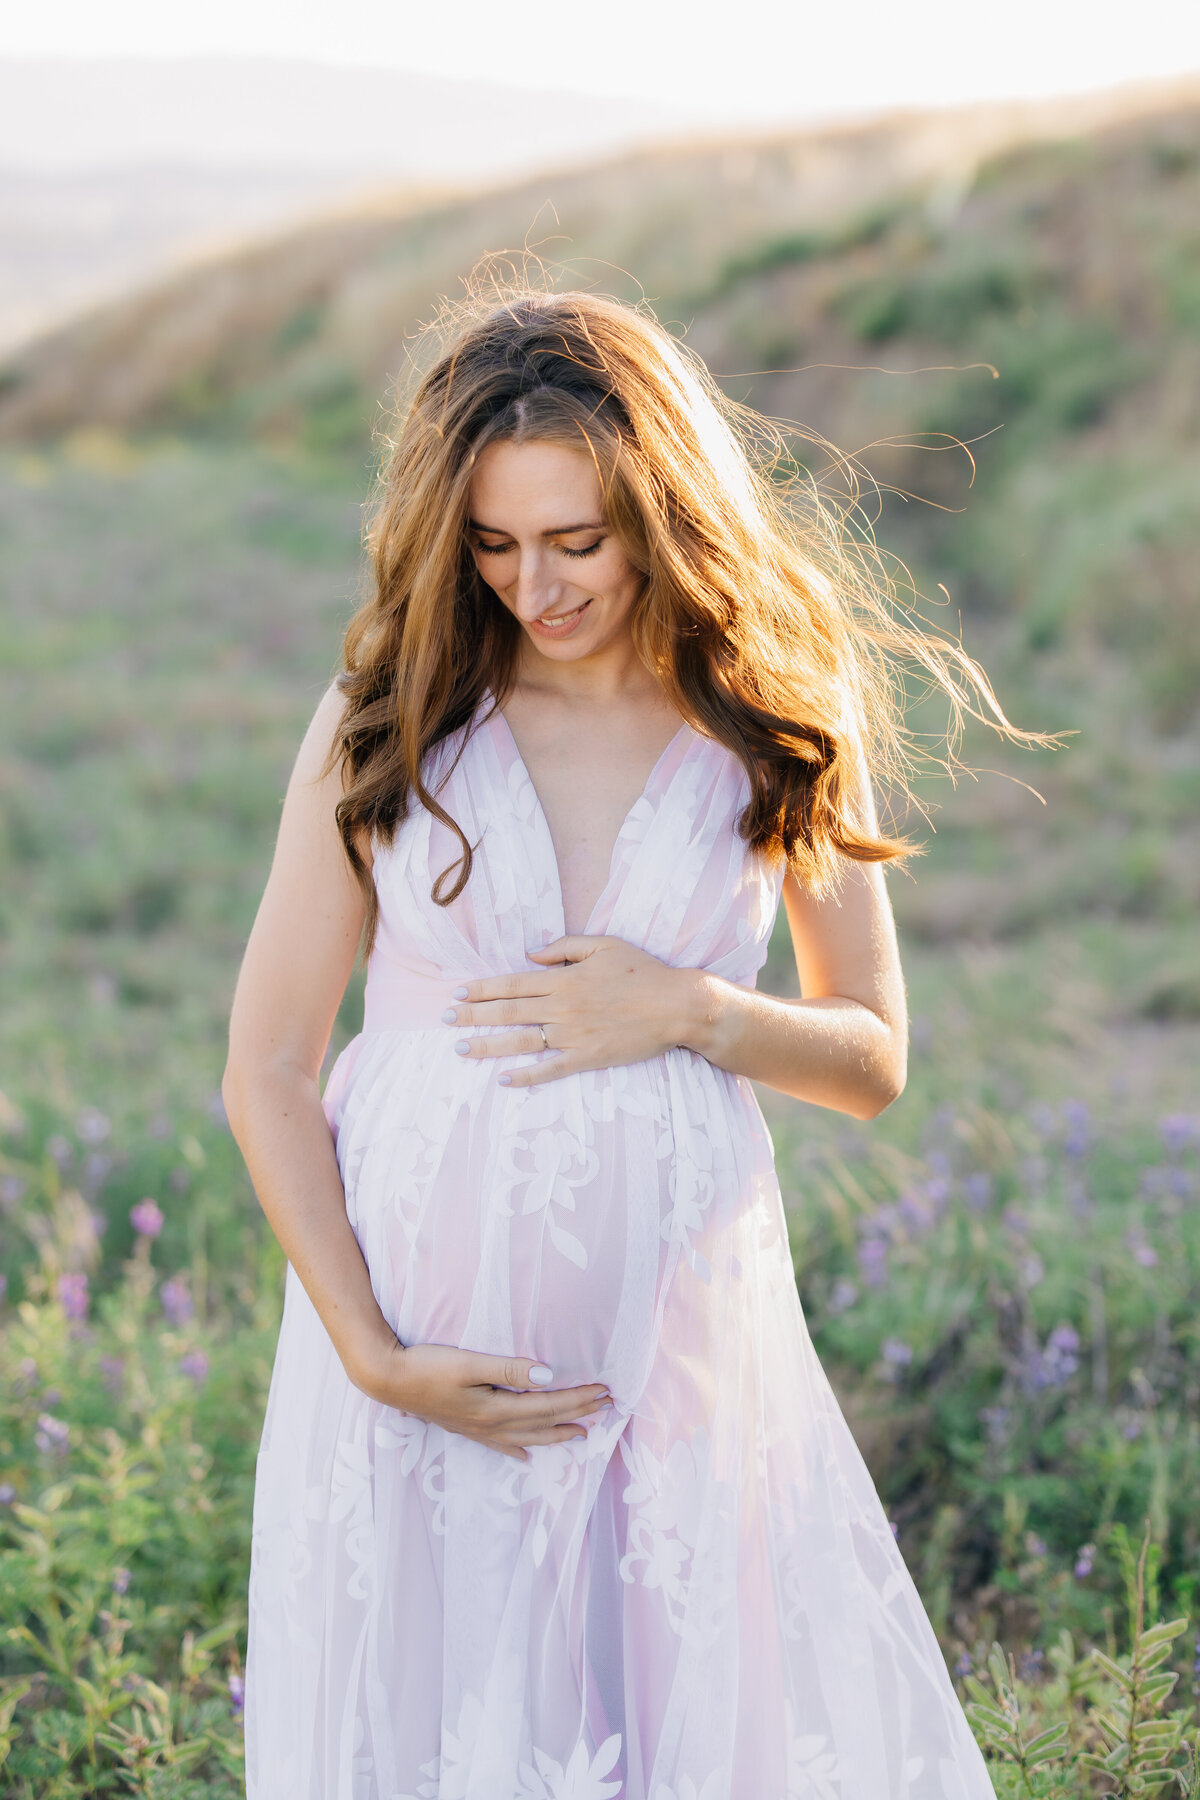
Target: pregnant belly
(539, 1221)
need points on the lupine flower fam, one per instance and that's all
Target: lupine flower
(873, 1261)
(843, 1294)
(995, 1419)
(73, 1295)
(176, 1300)
(120, 1581)
(1084, 1561)
(1178, 1130)
(237, 1695)
(1079, 1135)
(146, 1218)
(896, 1353)
(1031, 1664)
(965, 1665)
(1054, 1365)
(8, 1493)
(978, 1189)
(52, 1434)
(92, 1126)
(194, 1365)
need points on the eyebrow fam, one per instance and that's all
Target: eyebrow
(555, 531)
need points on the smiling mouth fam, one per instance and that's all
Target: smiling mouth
(558, 624)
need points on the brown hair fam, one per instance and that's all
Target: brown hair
(767, 627)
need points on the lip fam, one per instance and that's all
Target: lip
(572, 621)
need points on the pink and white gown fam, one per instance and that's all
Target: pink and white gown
(704, 1600)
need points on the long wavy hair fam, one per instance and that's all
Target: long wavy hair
(767, 626)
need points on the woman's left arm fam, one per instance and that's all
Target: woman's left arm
(603, 1002)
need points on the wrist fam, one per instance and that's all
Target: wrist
(375, 1363)
(693, 1024)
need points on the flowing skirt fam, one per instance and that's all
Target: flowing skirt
(702, 1601)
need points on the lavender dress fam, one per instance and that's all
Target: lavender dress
(704, 1600)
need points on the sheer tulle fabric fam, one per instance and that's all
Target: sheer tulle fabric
(704, 1601)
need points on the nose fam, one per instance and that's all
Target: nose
(535, 591)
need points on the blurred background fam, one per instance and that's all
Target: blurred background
(964, 249)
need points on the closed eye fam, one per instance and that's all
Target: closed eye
(589, 550)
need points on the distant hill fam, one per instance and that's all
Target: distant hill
(746, 243)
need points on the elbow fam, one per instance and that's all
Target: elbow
(886, 1085)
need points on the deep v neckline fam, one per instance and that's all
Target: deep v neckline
(648, 786)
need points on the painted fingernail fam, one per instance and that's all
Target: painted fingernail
(462, 1048)
(540, 1375)
(504, 1080)
(459, 994)
(449, 1017)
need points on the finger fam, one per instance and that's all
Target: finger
(517, 985)
(508, 1043)
(551, 1068)
(553, 1434)
(524, 1374)
(549, 1409)
(499, 1012)
(566, 949)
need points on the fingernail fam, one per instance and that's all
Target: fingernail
(462, 1048)
(504, 1080)
(449, 1017)
(459, 994)
(540, 1375)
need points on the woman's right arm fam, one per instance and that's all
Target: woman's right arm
(298, 961)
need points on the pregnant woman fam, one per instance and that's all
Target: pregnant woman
(554, 1500)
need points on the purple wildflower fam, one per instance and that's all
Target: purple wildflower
(995, 1419)
(194, 1365)
(1132, 1429)
(873, 1261)
(51, 1397)
(176, 1300)
(1084, 1561)
(896, 1353)
(73, 1295)
(12, 1190)
(843, 1295)
(146, 1218)
(92, 1126)
(978, 1189)
(1178, 1131)
(52, 1434)
(8, 1493)
(1079, 1136)
(112, 1372)
(965, 1665)
(1031, 1664)
(120, 1581)
(237, 1695)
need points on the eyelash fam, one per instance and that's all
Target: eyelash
(502, 549)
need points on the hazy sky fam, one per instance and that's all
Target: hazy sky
(738, 59)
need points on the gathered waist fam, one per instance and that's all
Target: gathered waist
(399, 999)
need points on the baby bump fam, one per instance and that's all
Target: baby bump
(541, 1221)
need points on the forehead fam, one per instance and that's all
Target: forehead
(534, 487)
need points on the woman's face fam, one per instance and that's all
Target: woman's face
(537, 531)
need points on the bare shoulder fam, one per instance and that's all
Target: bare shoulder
(319, 777)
